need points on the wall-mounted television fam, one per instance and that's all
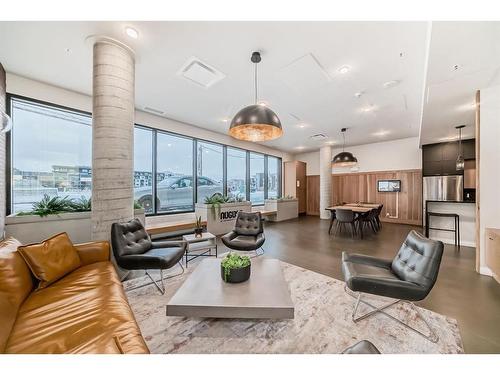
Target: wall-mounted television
(388, 186)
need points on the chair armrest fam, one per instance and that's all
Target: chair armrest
(93, 252)
(167, 244)
(229, 236)
(366, 259)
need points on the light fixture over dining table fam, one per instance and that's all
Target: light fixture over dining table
(256, 122)
(344, 158)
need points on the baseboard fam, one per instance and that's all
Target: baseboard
(485, 271)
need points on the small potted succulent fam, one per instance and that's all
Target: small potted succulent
(235, 268)
(198, 230)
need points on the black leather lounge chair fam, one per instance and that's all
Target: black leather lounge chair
(248, 233)
(409, 277)
(134, 250)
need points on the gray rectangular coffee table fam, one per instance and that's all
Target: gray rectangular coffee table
(205, 295)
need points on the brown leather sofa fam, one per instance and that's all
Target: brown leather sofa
(84, 312)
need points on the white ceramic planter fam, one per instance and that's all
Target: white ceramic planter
(286, 209)
(32, 228)
(222, 221)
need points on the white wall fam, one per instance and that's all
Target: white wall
(400, 154)
(38, 90)
(489, 166)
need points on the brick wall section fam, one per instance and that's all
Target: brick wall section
(325, 181)
(112, 137)
(3, 197)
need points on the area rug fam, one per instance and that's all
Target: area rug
(322, 323)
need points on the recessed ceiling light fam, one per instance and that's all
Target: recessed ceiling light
(381, 133)
(263, 103)
(456, 67)
(344, 69)
(131, 32)
(225, 119)
(302, 125)
(389, 84)
(359, 94)
(68, 50)
(299, 147)
(330, 143)
(368, 109)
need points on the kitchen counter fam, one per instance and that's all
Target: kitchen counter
(467, 216)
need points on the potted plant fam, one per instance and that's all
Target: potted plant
(235, 268)
(198, 230)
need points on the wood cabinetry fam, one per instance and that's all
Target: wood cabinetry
(296, 182)
(439, 159)
(313, 195)
(492, 242)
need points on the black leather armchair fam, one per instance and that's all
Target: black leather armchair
(134, 250)
(410, 276)
(248, 232)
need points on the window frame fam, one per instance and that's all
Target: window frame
(154, 139)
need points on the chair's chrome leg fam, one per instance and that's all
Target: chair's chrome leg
(161, 286)
(432, 336)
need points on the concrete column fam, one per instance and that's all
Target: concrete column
(3, 197)
(325, 181)
(112, 136)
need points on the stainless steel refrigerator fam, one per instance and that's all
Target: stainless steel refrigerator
(443, 188)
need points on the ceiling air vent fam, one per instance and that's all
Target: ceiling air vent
(155, 111)
(318, 137)
(200, 73)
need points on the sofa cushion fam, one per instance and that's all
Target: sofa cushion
(81, 313)
(16, 283)
(51, 259)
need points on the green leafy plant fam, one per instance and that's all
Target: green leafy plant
(198, 223)
(215, 200)
(234, 261)
(83, 204)
(51, 206)
(58, 205)
(137, 206)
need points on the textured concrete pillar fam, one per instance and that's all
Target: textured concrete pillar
(3, 197)
(112, 136)
(325, 181)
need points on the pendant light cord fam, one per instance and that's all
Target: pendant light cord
(255, 83)
(343, 144)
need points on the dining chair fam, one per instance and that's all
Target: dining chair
(345, 218)
(368, 219)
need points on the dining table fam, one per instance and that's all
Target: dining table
(357, 208)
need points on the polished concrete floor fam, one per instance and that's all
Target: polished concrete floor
(460, 292)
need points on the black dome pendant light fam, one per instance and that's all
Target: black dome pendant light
(256, 122)
(344, 158)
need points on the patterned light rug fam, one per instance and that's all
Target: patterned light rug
(322, 323)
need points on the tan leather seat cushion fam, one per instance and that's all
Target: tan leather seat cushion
(51, 259)
(87, 306)
(16, 283)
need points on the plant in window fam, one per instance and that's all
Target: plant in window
(83, 204)
(51, 206)
(199, 227)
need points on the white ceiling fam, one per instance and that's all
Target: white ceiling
(298, 75)
(450, 92)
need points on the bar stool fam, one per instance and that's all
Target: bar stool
(455, 230)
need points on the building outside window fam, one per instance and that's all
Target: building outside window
(143, 168)
(236, 172)
(210, 169)
(60, 165)
(51, 153)
(273, 182)
(174, 173)
(256, 178)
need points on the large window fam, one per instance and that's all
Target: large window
(51, 148)
(236, 172)
(257, 178)
(143, 168)
(174, 173)
(51, 153)
(210, 169)
(273, 176)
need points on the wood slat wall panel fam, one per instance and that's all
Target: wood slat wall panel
(313, 195)
(362, 187)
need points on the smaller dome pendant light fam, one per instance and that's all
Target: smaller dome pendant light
(344, 158)
(256, 122)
